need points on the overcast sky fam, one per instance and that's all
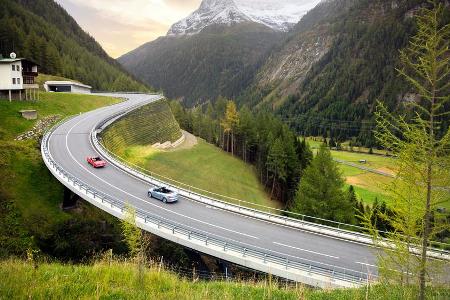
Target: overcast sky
(122, 25)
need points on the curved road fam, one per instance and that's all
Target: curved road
(69, 145)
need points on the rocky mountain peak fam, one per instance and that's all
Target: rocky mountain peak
(277, 15)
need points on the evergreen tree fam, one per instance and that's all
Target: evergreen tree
(423, 161)
(320, 191)
(276, 163)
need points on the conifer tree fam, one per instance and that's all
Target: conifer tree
(320, 192)
(423, 162)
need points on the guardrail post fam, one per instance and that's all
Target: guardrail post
(265, 257)
(206, 242)
(225, 247)
(243, 252)
(287, 263)
(189, 235)
(159, 224)
(145, 219)
(173, 230)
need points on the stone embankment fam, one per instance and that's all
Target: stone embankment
(39, 128)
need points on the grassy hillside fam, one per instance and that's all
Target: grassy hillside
(43, 31)
(206, 167)
(148, 125)
(30, 197)
(118, 280)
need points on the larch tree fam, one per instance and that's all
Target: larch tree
(229, 124)
(422, 146)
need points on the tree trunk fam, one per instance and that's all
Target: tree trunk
(273, 187)
(426, 218)
(232, 144)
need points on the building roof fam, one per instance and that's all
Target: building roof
(67, 83)
(11, 60)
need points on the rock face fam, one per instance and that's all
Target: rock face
(277, 15)
(210, 12)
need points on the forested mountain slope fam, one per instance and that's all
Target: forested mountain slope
(349, 63)
(220, 60)
(43, 31)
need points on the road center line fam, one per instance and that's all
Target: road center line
(168, 210)
(365, 264)
(304, 250)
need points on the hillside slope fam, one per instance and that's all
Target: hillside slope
(150, 124)
(43, 31)
(327, 77)
(220, 60)
(30, 198)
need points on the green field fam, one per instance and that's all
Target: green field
(119, 280)
(206, 167)
(368, 186)
(26, 183)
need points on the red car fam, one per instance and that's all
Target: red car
(96, 162)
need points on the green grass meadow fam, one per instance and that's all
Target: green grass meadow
(368, 186)
(207, 167)
(121, 280)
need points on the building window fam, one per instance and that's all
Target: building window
(18, 67)
(14, 81)
(18, 80)
(13, 67)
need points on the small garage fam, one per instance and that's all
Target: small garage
(67, 87)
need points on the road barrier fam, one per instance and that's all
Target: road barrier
(303, 270)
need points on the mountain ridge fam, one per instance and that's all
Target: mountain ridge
(278, 17)
(43, 31)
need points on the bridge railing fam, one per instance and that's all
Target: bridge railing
(332, 272)
(324, 226)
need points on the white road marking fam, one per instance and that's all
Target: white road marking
(168, 210)
(366, 264)
(250, 245)
(304, 250)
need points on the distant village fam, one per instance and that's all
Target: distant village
(18, 81)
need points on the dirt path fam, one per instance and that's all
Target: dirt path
(190, 141)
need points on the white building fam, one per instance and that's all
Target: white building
(67, 87)
(17, 78)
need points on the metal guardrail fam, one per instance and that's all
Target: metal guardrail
(341, 230)
(312, 267)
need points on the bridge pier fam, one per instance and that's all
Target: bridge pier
(69, 199)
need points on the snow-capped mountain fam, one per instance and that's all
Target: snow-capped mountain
(210, 12)
(278, 15)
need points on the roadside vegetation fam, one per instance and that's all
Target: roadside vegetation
(30, 197)
(206, 168)
(421, 144)
(118, 279)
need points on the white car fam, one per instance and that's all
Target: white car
(164, 194)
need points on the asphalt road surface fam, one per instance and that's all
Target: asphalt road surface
(69, 145)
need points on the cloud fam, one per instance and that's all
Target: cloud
(122, 25)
